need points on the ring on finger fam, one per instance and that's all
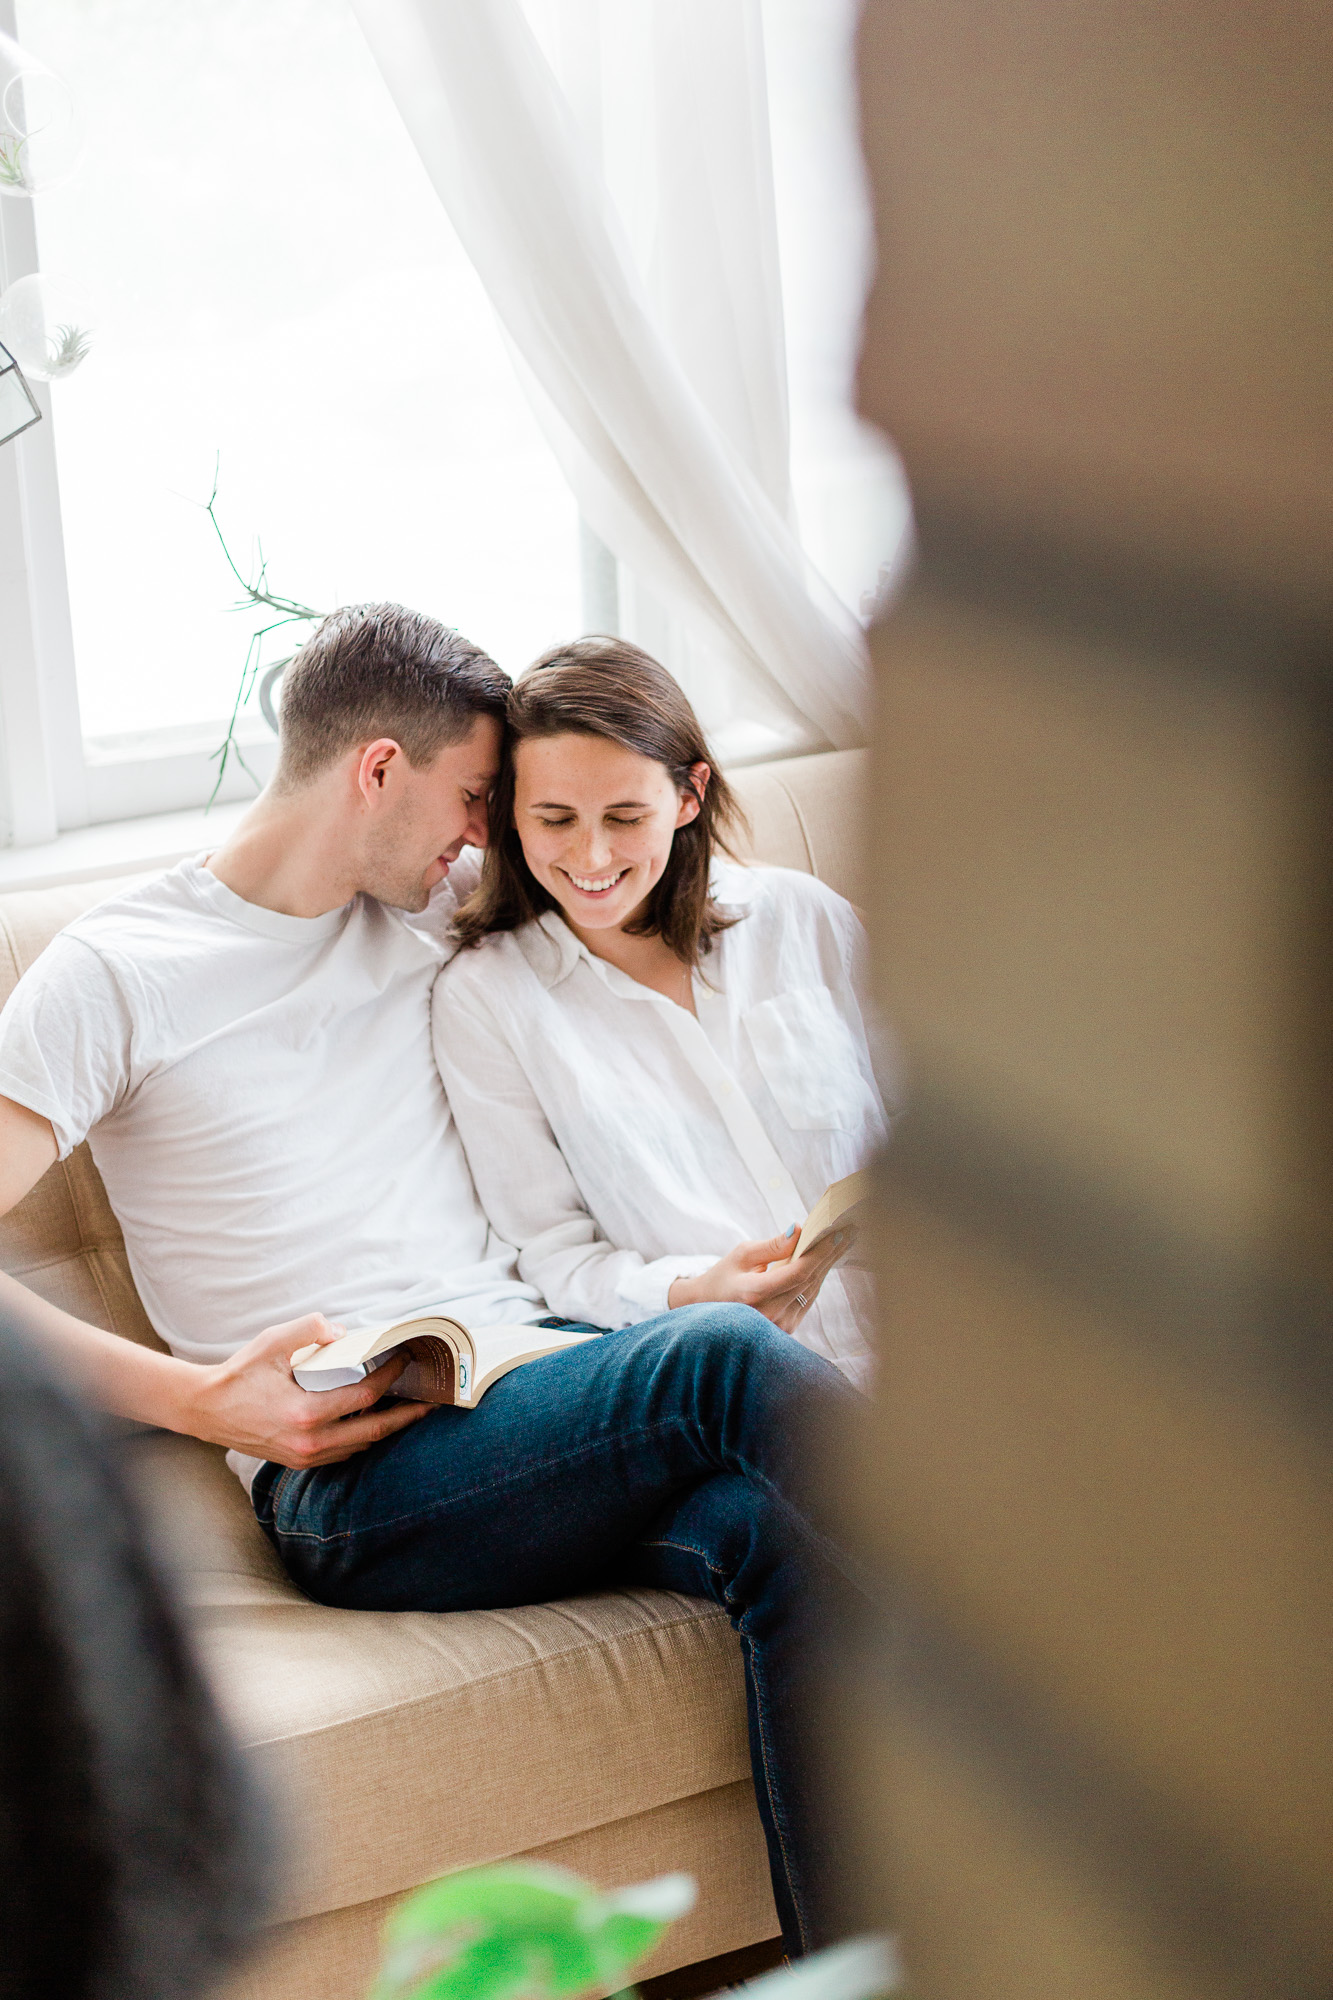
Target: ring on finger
(801, 1300)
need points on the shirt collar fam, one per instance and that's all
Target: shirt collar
(254, 916)
(563, 953)
(552, 950)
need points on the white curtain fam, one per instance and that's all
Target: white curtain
(649, 335)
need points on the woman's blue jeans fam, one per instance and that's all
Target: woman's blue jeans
(674, 1454)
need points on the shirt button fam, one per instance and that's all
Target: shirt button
(775, 1180)
(726, 1090)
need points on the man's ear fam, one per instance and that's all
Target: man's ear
(375, 766)
(692, 798)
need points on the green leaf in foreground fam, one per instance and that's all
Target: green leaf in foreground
(523, 1932)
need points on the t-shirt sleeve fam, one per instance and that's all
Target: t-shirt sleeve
(65, 1041)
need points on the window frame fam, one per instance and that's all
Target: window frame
(52, 779)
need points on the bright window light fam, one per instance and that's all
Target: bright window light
(276, 289)
(850, 490)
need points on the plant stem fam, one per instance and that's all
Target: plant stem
(258, 596)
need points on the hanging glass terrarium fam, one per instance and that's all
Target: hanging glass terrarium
(45, 326)
(18, 405)
(40, 136)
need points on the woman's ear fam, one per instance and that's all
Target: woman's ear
(692, 798)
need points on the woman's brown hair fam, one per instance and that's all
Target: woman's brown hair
(609, 688)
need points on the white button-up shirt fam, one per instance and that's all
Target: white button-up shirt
(619, 1142)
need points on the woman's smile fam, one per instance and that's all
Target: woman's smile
(595, 885)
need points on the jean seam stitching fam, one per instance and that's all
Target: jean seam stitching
(689, 1548)
(760, 1708)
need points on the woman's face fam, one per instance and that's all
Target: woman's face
(596, 823)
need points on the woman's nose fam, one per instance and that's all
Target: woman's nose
(592, 851)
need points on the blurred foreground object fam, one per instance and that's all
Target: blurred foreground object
(1094, 1745)
(864, 1968)
(521, 1931)
(130, 1852)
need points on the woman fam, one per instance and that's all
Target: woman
(656, 1056)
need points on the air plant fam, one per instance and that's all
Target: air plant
(257, 597)
(65, 349)
(13, 171)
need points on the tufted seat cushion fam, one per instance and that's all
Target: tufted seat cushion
(403, 1744)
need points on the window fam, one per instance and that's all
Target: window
(851, 495)
(276, 294)
(276, 291)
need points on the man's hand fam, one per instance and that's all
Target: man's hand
(253, 1404)
(766, 1276)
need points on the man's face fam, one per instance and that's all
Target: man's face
(428, 816)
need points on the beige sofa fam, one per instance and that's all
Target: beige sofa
(606, 1733)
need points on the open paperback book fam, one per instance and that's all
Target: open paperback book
(455, 1364)
(450, 1362)
(841, 1206)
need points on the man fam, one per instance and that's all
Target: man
(245, 1042)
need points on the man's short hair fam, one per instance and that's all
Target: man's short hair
(372, 670)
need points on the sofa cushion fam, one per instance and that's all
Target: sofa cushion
(806, 813)
(400, 1745)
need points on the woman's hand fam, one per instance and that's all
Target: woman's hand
(766, 1276)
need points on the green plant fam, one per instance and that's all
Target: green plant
(519, 1931)
(257, 597)
(13, 172)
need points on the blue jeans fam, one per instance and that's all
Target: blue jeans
(672, 1454)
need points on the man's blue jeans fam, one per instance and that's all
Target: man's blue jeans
(672, 1454)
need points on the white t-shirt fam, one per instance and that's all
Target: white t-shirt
(620, 1141)
(261, 1098)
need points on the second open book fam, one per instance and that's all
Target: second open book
(841, 1206)
(455, 1364)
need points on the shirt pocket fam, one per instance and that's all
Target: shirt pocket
(810, 1060)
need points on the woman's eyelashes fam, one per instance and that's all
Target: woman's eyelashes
(568, 820)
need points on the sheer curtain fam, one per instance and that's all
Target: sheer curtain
(626, 238)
